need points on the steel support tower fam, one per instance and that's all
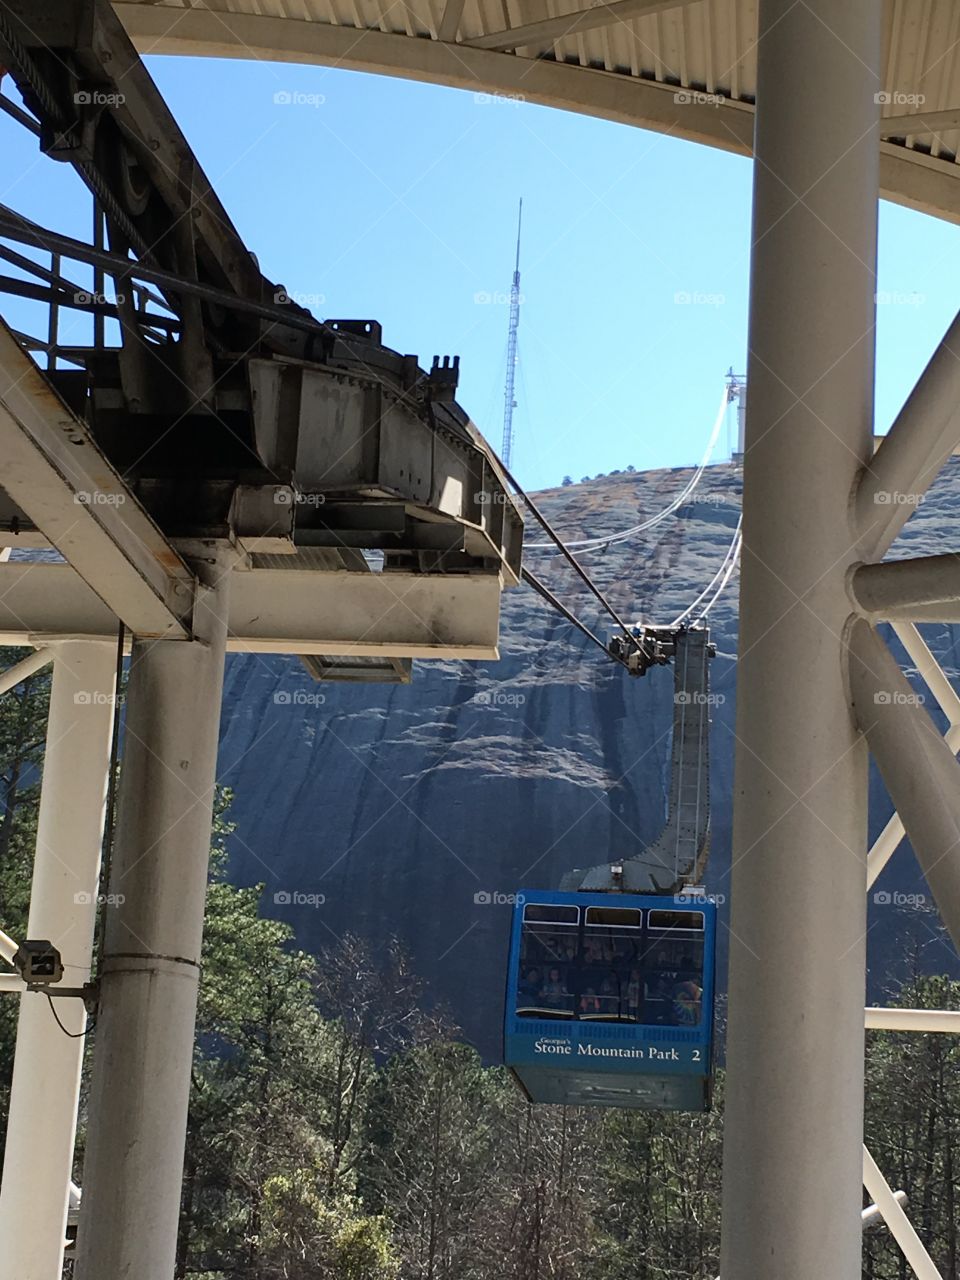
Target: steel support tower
(509, 400)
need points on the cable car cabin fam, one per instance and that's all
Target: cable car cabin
(610, 1000)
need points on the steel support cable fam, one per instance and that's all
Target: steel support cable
(716, 584)
(734, 560)
(17, 113)
(572, 559)
(546, 594)
(724, 572)
(532, 580)
(590, 544)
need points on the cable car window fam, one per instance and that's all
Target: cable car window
(615, 915)
(611, 984)
(689, 920)
(552, 912)
(546, 986)
(673, 969)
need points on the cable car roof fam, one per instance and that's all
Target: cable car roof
(675, 66)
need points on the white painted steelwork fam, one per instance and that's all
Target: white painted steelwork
(45, 1092)
(794, 1102)
(290, 611)
(53, 469)
(946, 1020)
(23, 670)
(686, 68)
(893, 1215)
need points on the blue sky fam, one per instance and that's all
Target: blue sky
(380, 198)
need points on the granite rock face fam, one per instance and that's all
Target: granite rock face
(418, 810)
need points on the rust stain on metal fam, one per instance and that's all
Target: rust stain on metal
(168, 559)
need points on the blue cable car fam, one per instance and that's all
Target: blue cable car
(611, 978)
(610, 999)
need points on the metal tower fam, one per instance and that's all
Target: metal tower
(737, 391)
(509, 403)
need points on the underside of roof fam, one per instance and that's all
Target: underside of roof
(675, 66)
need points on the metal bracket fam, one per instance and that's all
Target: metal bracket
(89, 993)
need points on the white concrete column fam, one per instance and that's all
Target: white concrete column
(793, 1128)
(144, 1046)
(38, 1155)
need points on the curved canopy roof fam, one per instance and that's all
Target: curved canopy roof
(684, 67)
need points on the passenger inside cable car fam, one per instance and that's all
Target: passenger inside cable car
(616, 973)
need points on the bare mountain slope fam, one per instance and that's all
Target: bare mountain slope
(417, 809)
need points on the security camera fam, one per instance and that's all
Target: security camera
(39, 962)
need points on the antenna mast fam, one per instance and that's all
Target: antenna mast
(509, 403)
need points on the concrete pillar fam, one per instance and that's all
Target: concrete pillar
(144, 1046)
(38, 1155)
(793, 1129)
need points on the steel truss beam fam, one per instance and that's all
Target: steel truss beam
(450, 22)
(16, 675)
(947, 1020)
(898, 588)
(919, 123)
(918, 765)
(571, 24)
(293, 611)
(891, 1211)
(55, 472)
(911, 455)
(919, 769)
